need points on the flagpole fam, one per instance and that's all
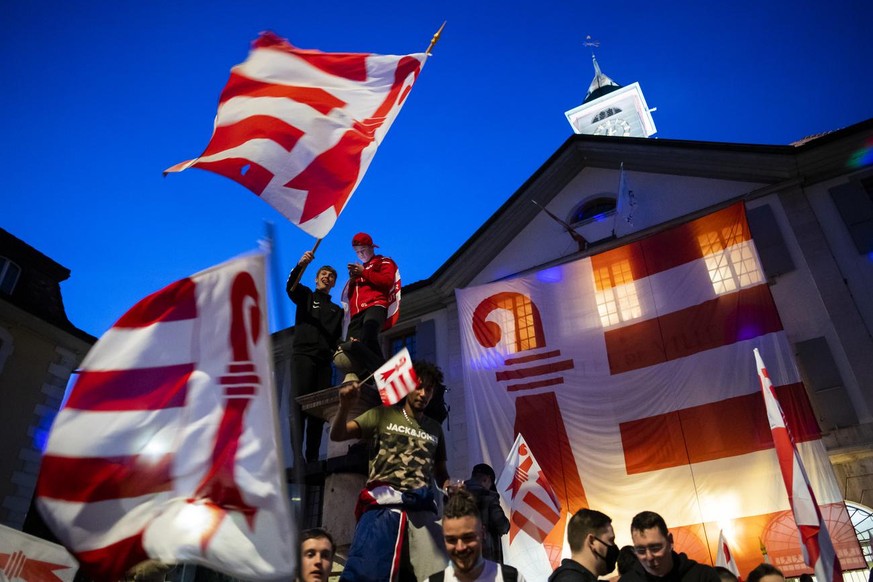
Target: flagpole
(435, 39)
(300, 274)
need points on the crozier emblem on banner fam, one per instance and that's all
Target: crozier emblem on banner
(167, 448)
(641, 357)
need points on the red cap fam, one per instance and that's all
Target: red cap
(362, 239)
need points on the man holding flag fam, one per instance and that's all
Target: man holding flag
(397, 508)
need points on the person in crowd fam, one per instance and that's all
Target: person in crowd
(481, 485)
(726, 575)
(398, 502)
(464, 536)
(316, 555)
(373, 286)
(318, 325)
(765, 572)
(653, 544)
(593, 551)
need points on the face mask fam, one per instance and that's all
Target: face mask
(611, 556)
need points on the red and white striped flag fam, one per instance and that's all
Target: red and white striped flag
(28, 558)
(396, 378)
(534, 507)
(815, 541)
(723, 557)
(167, 448)
(299, 128)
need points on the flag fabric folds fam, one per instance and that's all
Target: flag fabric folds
(396, 378)
(167, 446)
(818, 550)
(533, 506)
(631, 375)
(723, 557)
(31, 559)
(299, 128)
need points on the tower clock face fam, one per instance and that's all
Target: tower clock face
(613, 127)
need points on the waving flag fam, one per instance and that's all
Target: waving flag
(396, 378)
(167, 447)
(724, 558)
(534, 507)
(28, 558)
(299, 128)
(818, 550)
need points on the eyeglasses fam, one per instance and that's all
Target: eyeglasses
(653, 548)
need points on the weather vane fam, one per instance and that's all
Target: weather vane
(591, 43)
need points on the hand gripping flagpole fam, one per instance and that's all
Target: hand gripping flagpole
(300, 274)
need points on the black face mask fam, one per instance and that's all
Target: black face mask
(611, 556)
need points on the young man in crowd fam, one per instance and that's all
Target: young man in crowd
(593, 551)
(316, 555)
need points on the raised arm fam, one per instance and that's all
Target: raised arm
(343, 429)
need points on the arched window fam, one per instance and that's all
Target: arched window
(593, 209)
(605, 113)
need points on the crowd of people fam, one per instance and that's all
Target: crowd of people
(407, 528)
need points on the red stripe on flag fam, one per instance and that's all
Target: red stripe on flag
(112, 561)
(86, 480)
(352, 66)
(135, 389)
(253, 127)
(722, 429)
(722, 321)
(523, 523)
(533, 358)
(315, 97)
(244, 172)
(175, 302)
(676, 246)
(534, 385)
(535, 371)
(541, 507)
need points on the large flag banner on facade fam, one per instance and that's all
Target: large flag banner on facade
(630, 374)
(31, 559)
(167, 447)
(299, 128)
(724, 558)
(396, 378)
(818, 550)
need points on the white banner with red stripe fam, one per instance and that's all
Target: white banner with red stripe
(818, 550)
(631, 376)
(299, 127)
(167, 447)
(32, 559)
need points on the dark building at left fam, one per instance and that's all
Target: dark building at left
(39, 350)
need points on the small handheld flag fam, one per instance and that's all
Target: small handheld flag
(396, 378)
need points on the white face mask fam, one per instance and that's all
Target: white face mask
(364, 253)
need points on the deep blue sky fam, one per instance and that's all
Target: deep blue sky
(99, 97)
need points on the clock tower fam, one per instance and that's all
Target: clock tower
(610, 109)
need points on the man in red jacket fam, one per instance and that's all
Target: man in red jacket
(373, 282)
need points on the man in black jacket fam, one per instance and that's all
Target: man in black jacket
(592, 548)
(653, 545)
(494, 521)
(318, 326)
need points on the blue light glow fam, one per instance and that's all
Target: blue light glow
(552, 275)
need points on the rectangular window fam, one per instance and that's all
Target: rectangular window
(731, 262)
(404, 341)
(9, 273)
(616, 293)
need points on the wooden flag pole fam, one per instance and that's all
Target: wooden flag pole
(300, 274)
(435, 38)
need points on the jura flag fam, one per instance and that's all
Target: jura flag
(167, 447)
(818, 550)
(724, 558)
(299, 128)
(31, 559)
(534, 507)
(396, 378)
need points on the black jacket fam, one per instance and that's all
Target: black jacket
(572, 571)
(684, 570)
(318, 323)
